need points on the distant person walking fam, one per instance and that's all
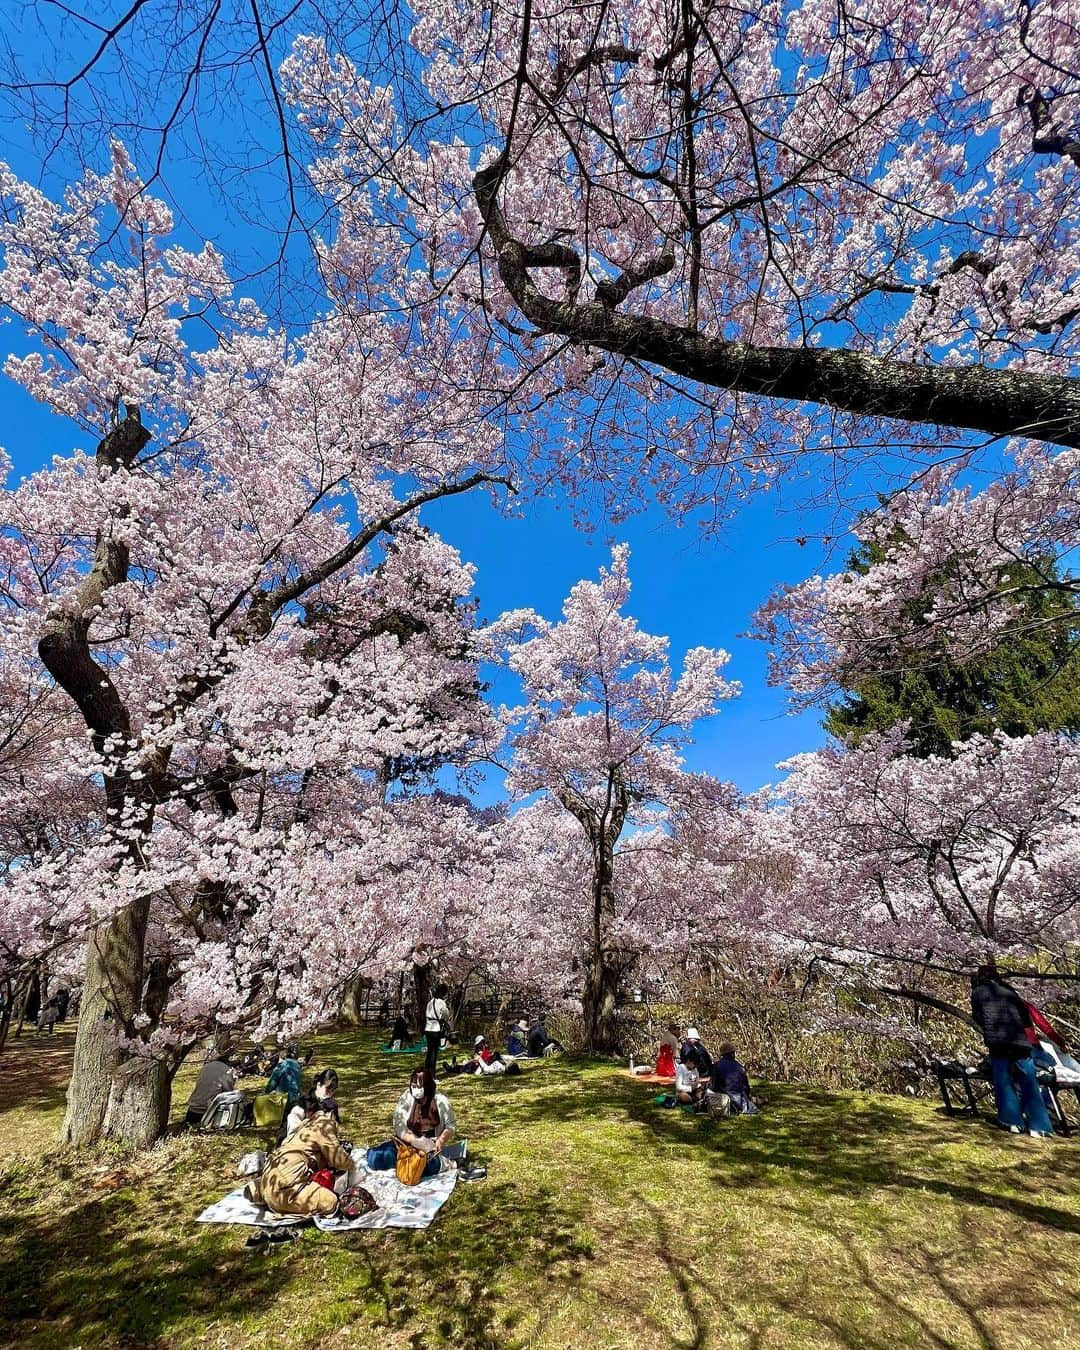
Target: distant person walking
(1003, 1018)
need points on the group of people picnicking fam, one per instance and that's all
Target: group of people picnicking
(526, 1040)
(717, 1086)
(308, 1171)
(308, 1174)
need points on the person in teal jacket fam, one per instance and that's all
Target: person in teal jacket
(285, 1075)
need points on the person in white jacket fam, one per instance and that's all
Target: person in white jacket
(689, 1088)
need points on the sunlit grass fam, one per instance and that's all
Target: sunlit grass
(605, 1221)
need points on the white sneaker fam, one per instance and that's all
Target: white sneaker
(1041, 1134)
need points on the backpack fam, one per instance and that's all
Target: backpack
(228, 1111)
(717, 1103)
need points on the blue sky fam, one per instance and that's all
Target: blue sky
(692, 589)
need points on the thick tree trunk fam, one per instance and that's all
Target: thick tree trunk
(113, 1093)
(353, 1000)
(599, 1001)
(602, 973)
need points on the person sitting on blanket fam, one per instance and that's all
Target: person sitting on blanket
(540, 1043)
(728, 1075)
(324, 1090)
(665, 1055)
(285, 1075)
(423, 1118)
(287, 1186)
(695, 1054)
(301, 1110)
(215, 1076)
(689, 1089)
(517, 1043)
(399, 1033)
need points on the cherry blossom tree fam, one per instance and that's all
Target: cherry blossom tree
(46, 808)
(899, 865)
(599, 735)
(954, 569)
(209, 592)
(737, 234)
(706, 239)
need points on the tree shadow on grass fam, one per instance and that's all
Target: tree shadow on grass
(34, 1071)
(94, 1275)
(682, 1280)
(90, 1276)
(450, 1277)
(841, 1155)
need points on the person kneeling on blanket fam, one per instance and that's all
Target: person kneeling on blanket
(288, 1185)
(424, 1119)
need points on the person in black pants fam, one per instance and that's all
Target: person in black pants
(437, 1025)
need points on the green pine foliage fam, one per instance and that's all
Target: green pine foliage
(1029, 682)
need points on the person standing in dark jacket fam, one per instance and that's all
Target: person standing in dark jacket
(1003, 1018)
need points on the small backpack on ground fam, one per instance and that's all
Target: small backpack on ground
(717, 1104)
(228, 1111)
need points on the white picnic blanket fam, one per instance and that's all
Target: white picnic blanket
(399, 1206)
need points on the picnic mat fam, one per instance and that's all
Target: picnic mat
(650, 1077)
(399, 1206)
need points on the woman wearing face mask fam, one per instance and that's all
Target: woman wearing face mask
(423, 1118)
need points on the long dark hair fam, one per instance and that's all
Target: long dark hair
(427, 1081)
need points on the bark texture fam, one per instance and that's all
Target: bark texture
(604, 963)
(974, 397)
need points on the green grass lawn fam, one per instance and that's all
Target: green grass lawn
(833, 1219)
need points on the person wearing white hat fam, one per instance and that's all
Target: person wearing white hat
(694, 1053)
(487, 1060)
(484, 1061)
(517, 1043)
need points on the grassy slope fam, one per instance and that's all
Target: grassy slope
(832, 1219)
